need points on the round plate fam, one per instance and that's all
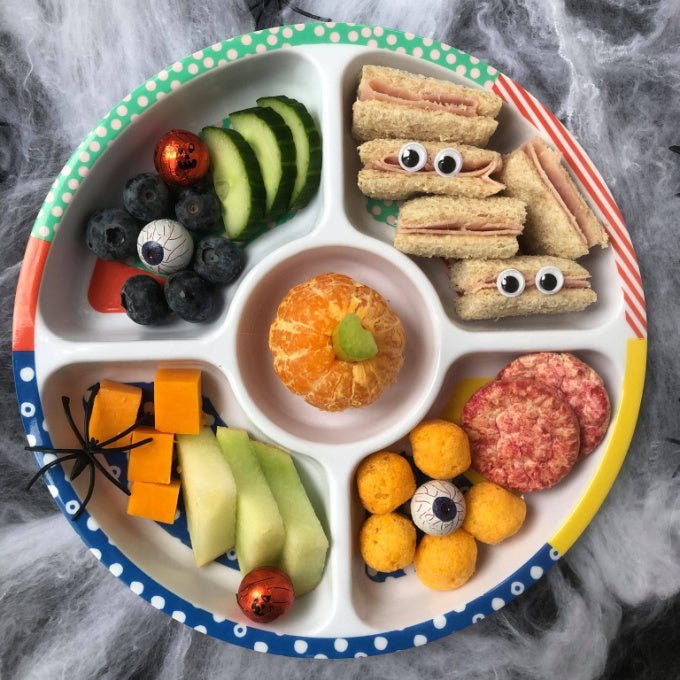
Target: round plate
(69, 333)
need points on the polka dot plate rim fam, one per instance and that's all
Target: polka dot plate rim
(355, 43)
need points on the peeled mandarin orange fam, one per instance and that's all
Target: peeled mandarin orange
(300, 340)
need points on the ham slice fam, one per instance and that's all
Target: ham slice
(548, 165)
(454, 227)
(469, 169)
(428, 99)
(569, 282)
(480, 170)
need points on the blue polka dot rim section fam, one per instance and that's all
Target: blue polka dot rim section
(30, 407)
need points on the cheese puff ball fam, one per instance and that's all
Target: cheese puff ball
(440, 449)
(385, 481)
(493, 513)
(387, 542)
(446, 562)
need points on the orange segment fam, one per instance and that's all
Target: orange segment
(300, 342)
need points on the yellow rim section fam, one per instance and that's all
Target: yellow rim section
(622, 432)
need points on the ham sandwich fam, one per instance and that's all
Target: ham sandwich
(458, 228)
(383, 177)
(478, 295)
(397, 104)
(559, 221)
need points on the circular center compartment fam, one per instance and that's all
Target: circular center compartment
(285, 416)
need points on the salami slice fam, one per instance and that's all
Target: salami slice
(581, 385)
(523, 434)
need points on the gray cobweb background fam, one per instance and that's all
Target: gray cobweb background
(610, 70)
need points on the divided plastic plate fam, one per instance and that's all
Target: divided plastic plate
(64, 340)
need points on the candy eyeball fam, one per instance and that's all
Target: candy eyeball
(412, 157)
(165, 246)
(438, 507)
(549, 280)
(510, 282)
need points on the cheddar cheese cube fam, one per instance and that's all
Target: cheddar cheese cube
(154, 501)
(115, 409)
(177, 400)
(151, 462)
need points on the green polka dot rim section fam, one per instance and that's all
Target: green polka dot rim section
(383, 211)
(217, 55)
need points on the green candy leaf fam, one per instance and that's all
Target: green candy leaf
(352, 342)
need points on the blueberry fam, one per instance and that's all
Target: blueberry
(189, 296)
(147, 197)
(216, 260)
(143, 299)
(198, 208)
(112, 234)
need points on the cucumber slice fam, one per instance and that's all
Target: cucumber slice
(307, 146)
(272, 141)
(238, 181)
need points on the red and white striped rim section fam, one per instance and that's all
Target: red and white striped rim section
(582, 167)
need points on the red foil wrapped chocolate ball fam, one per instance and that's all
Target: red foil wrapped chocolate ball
(265, 594)
(181, 158)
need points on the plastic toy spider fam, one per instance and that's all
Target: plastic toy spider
(85, 457)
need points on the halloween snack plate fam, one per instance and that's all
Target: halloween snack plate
(69, 334)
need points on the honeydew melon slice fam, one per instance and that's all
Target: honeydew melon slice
(209, 493)
(259, 528)
(305, 547)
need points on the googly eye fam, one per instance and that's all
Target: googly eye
(448, 162)
(438, 507)
(549, 280)
(412, 156)
(165, 246)
(510, 282)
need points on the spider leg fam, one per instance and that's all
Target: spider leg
(122, 434)
(107, 474)
(88, 495)
(47, 466)
(45, 449)
(122, 449)
(88, 405)
(67, 410)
